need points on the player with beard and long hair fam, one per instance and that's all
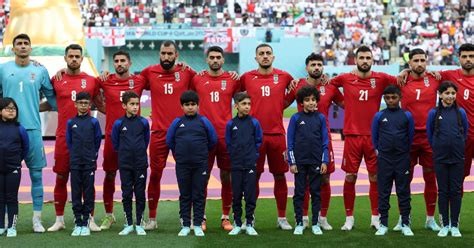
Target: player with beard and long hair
(267, 86)
(166, 81)
(363, 90)
(216, 89)
(328, 95)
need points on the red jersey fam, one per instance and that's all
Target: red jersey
(465, 96)
(419, 96)
(215, 98)
(362, 97)
(166, 88)
(66, 90)
(328, 94)
(113, 90)
(268, 98)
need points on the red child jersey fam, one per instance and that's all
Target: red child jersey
(268, 98)
(215, 98)
(419, 96)
(166, 88)
(465, 95)
(362, 97)
(66, 90)
(113, 89)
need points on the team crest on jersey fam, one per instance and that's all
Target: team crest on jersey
(223, 84)
(83, 83)
(427, 82)
(177, 77)
(275, 78)
(372, 83)
(131, 83)
(32, 77)
(322, 90)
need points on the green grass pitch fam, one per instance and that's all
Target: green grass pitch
(269, 235)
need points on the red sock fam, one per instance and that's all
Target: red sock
(226, 194)
(108, 194)
(431, 192)
(306, 201)
(325, 198)
(154, 190)
(349, 197)
(374, 198)
(280, 190)
(60, 194)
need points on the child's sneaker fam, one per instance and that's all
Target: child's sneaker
(381, 231)
(305, 221)
(185, 230)
(127, 229)
(398, 226)
(406, 231)
(251, 231)
(2, 231)
(443, 232)
(85, 231)
(107, 222)
(11, 232)
(454, 232)
(76, 231)
(317, 230)
(299, 229)
(140, 231)
(432, 225)
(93, 226)
(198, 231)
(235, 231)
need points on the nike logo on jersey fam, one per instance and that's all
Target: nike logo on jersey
(74, 126)
(302, 123)
(124, 129)
(251, 172)
(142, 176)
(182, 125)
(235, 128)
(440, 118)
(384, 120)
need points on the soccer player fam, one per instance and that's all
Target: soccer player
(464, 79)
(392, 135)
(114, 87)
(363, 91)
(23, 81)
(267, 86)
(328, 95)
(419, 97)
(167, 82)
(216, 88)
(447, 129)
(67, 88)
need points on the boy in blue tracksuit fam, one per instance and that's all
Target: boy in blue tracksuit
(243, 137)
(392, 135)
(307, 155)
(83, 137)
(14, 145)
(190, 137)
(447, 129)
(130, 137)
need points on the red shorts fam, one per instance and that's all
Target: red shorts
(61, 156)
(356, 147)
(158, 150)
(420, 152)
(219, 152)
(110, 163)
(468, 155)
(331, 165)
(274, 148)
